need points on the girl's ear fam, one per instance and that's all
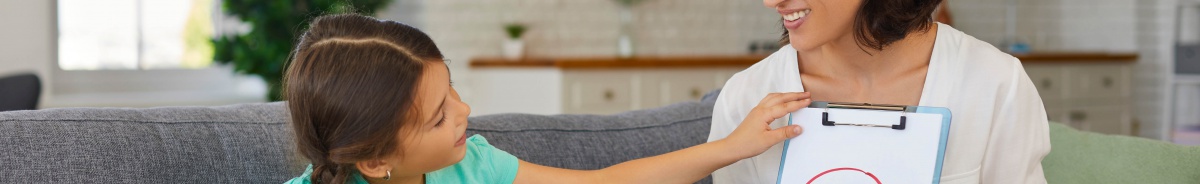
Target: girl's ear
(373, 168)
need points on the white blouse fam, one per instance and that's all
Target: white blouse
(999, 133)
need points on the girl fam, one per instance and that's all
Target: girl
(371, 102)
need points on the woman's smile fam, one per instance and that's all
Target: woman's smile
(792, 19)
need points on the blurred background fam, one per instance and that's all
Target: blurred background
(1129, 67)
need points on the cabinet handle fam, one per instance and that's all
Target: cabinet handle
(1078, 116)
(695, 93)
(1107, 82)
(1046, 83)
(608, 95)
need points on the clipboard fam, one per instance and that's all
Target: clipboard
(865, 143)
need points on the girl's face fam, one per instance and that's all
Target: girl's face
(440, 140)
(813, 23)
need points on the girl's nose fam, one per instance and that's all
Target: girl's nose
(466, 113)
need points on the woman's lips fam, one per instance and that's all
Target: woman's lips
(793, 19)
(793, 24)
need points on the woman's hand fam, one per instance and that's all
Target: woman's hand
(755, 135)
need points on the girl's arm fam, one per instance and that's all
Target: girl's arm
(688, 165)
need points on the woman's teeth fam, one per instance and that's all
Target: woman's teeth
(796, 15)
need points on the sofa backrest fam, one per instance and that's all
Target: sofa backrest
(597, 141)
(248, 143)
(1088, 157)
(253, 143)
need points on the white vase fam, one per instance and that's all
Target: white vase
(513, 49)
(624, 40)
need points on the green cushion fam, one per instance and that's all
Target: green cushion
(1086, 157)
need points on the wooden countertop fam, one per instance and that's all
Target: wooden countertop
(1077, 57)
(746, 61)
(614, 62)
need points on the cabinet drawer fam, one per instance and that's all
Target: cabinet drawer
(1098, 81)
(668, 87)
(1049, 80)
(1109, 120)
(599, 92)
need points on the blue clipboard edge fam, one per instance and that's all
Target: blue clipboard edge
(941, 157)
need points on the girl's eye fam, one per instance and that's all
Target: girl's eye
(440, 122)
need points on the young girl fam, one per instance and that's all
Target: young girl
(371, 102)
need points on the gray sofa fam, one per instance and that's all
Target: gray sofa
(252, 143)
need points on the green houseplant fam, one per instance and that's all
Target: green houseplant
(274, 28)
(513, 47)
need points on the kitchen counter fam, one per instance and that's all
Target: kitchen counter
(613, 62)
(1077, 57)
(746, 60)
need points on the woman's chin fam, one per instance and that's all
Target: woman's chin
(800, 45)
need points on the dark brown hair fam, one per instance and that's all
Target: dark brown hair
(351, 87)
(879, 23)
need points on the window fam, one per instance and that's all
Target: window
(134, 34)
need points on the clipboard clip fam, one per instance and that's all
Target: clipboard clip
(903, 114)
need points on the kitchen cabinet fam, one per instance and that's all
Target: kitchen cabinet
(1087, 91)
(597, 85)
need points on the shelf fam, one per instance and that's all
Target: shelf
(747, 60)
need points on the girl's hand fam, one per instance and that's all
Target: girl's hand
(755, 135)
(687, 165)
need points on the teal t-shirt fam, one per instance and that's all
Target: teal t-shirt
(482, 163)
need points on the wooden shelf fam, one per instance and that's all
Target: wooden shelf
(1077, 57)
(744, 61)
(613, 62)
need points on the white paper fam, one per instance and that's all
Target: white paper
(891, 156)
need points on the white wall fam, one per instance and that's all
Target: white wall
(27, 38)
(28, 44)
(1053, 25)
(1156, 27)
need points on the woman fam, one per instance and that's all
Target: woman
(892, 52)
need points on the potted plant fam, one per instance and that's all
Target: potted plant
(513, 46)
(624, 28)
(274, 28)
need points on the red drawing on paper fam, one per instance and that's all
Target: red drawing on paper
(814, 178)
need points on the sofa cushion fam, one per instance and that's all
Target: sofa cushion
(249, 143)
(1088, 157)
(598, 141)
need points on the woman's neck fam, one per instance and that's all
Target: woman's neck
(844, 58)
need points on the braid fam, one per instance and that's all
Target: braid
(331, 173)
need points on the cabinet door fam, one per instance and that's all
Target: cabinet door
(1049, 80)
(665, 87)
(1109, 120)
(1098, 82)
(599, 92)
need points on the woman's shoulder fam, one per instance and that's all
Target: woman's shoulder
(974, 69)
(769, 69)
(964, 55)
